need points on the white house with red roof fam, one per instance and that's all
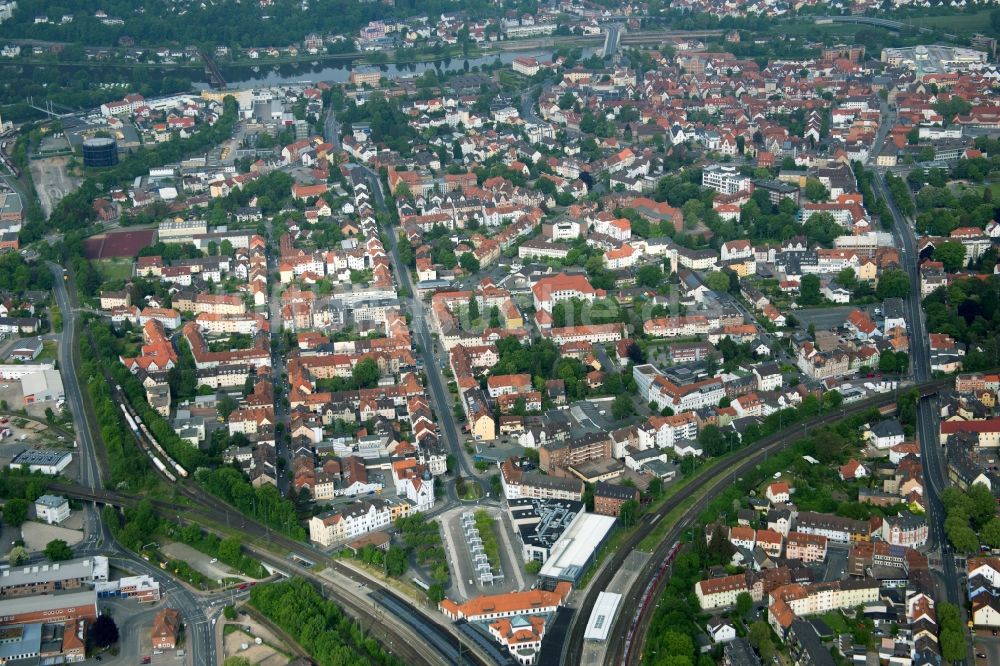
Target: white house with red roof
(551, 290)
(853, 470)
(778, 493)
(414, 482)
(736, 249)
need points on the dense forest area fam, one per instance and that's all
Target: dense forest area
(228, 22)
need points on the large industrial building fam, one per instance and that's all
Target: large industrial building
(570, 556)
(46, 462)
(44, 386)
(68, 607)
(34, 579)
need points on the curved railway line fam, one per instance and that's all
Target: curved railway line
(427, 642)
(719, 475)
(423, 641)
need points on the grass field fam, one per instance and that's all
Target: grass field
(960, 22)
(960, 189)
(114, 269)
(48, 354)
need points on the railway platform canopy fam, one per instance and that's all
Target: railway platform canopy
(602, 617)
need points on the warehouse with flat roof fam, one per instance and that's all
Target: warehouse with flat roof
(46, 462)
(44, 386)
(574, 551)
(35, 579)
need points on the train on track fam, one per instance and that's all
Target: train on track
(647, 599)
(161, 459)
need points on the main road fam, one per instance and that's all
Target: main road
(418, 320)
(927, 419)
(98, 538)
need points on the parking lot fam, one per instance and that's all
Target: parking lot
(37, 535)
(823, 318)
(10, 392)
(464, 581)
(135, 622)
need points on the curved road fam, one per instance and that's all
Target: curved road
(98, 539)
(930, 452)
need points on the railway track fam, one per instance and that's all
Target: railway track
(405, 644)
(719, 475)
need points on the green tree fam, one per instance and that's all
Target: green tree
(15, 512)
(990, 534)
(887, 361)
(226, 406)
(533, 566)
(829, 445)
(622, 407)
(104, 631)
(649, 276)
(473, 308)
(951, 254)
(395, 561)
(629, 513)
(744, 603)
(712, 441)
(58, 550)
(809, 293)
(18, 555)
(235, 661)
(982, 505)
(469, 263)
(365, 373)
(230, 550)
(951, 632)
(893, 283)
(717, 281)
(902, 362)
(815, 190)
(760, 637)
(847, 278)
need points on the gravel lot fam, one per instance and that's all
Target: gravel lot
(52, 181)
(37, 535)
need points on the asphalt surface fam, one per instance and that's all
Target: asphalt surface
(90, 470)
(439, 393)
(931, 453)
(98, 539)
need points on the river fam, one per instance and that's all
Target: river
(340, 71)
